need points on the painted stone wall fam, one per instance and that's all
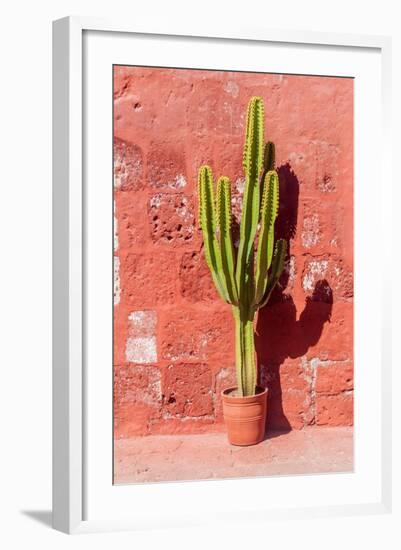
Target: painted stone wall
(174, 344)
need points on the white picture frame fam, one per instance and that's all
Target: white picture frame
(74, 477)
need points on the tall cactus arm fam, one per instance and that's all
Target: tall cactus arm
(269, 162)
(264, 254)
(269, 157)
(207, 217)
(223, 211)
(253, 163)
(276, 270)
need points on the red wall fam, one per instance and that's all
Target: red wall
(174, 344)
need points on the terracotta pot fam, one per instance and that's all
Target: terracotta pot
(245, 417)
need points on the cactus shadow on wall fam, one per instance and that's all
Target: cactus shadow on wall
(281, 334)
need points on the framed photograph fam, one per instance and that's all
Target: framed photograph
(220, 334)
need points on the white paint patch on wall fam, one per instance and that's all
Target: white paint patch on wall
(311, 231)
(141, 350)
(185, 214)
(142, 323)
(155, 201)
(117, 288)
(115, 225)
(179, 182)
(127, 164)
(316, 269)
(223, 374)
(231, 88)
(141, 343)
(120, 170)
(240, 185)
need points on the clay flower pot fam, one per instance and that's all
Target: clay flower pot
(245, 417)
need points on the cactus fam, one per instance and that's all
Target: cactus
(244, 280)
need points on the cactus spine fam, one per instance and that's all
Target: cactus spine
(243, 280)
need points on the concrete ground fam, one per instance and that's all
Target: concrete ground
(207, 456)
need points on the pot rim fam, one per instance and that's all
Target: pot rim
(225, 393)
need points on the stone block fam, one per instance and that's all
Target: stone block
(128, 165)
(187, 390)
(137, 398)
(171, 219)
(335, 410)
(166, 165)
(197, 335)
(149, 279)
(195, 278)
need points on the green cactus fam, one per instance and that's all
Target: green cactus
(243, 280)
